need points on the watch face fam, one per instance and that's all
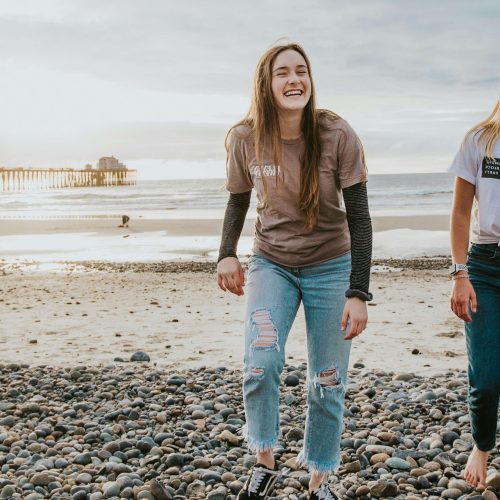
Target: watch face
(457, 267)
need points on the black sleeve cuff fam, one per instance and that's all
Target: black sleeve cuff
(224, 255)
(366, 296)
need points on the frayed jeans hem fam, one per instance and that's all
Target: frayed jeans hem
(259, 446)
(320, 468)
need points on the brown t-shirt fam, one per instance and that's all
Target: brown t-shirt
(280, 232)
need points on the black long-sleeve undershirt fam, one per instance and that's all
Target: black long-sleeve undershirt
(360, 228)
(358, 220)
(234, 218)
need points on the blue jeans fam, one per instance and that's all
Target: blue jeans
(274, 293)
(483, 344)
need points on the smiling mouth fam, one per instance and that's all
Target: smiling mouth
(295, 92)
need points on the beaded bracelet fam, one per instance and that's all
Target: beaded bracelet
(461, 276)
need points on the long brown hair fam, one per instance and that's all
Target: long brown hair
(263, 120)
(488, 130)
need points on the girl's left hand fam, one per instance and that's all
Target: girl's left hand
(356, 312)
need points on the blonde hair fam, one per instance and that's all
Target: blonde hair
(262, 118)
(488, 130)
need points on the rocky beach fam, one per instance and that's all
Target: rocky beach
(136, 431)
(123, 380)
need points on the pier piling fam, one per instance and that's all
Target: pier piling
(29, 179)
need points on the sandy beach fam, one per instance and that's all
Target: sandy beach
(91, 314)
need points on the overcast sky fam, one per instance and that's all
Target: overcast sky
(158, 82)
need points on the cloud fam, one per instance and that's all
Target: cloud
(164, 79)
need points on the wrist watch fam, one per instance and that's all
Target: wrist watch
(455, 268)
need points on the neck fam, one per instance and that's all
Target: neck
(290, 124)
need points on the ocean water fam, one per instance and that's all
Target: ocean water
(391, 194)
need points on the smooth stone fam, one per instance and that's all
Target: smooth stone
(235, 487)
(41, 479)
(458, 484)
(397, 463)
(294, 434)
(145, 495)
(218, 494)
(444, 460)
(489, 495)
(461, 445)
(8, 491)
(426, 396)
(423, 483)
(493, 481)
(362, 490)
(200, 463)
(384, 489)
(140, 356)
(176, 380)
(83, 459)
(451, 493)
(196, 489)
(174, 459)
(354, 466)
(211, 476)
(228, 477)
(378, 448)
(34, 496)
(159, 491)
(229, 437)
(111, 489)
(292, 380)
(449, 436)
(379, 458)
(83, 478)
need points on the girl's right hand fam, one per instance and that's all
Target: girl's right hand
(230, 275)
(463, 294)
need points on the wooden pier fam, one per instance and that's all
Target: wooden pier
(31, 179)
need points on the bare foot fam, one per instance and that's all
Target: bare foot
(316, 480)
(475, 470)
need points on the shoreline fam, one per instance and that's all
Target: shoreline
(190, 227)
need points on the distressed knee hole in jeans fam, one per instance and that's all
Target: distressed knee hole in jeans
(267, 334)
(255, 373)
(327, 379)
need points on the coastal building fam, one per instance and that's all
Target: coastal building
(110, 163)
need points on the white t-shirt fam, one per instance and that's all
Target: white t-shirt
(472, 165)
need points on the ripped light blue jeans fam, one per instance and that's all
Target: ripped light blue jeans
(274, 293)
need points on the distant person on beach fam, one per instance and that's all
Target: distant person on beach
(125, 220)
(475, 295)
(302, 161)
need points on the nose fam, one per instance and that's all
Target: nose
(293, 78)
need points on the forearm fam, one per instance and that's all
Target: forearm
(463, 198)
(360, 229)
(459, 234)
(234, 219)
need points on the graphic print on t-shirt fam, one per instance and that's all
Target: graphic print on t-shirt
(265, 170)
(491, 168)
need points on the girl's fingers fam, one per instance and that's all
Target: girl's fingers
(230, 283)
(220, 282)
(353, 329)
(343, 321)
(473, 301)
(464, 310)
